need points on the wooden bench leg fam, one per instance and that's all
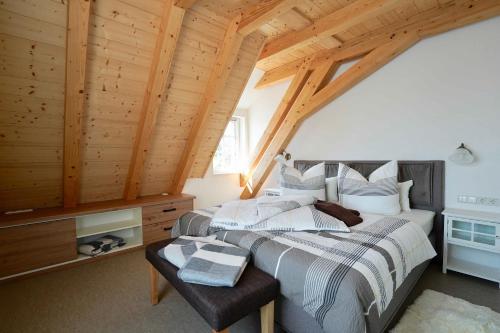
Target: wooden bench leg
(153, 279)
(267, 318)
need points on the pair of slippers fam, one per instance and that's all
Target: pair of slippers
(103, 244)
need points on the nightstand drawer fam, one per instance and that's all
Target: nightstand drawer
(165, 212)
(157, 231)
(474, 233)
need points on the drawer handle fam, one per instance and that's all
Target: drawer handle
(169, 210)
(167, 229)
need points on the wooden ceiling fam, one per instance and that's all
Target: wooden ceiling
(110, 99)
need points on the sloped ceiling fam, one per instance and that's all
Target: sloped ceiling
(122, 47)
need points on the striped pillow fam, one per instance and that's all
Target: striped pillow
(378, 195)
(312, 182)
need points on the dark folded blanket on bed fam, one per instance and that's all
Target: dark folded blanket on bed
(349, 216)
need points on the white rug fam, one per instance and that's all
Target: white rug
(434, 312)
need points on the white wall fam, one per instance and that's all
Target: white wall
(442, 91)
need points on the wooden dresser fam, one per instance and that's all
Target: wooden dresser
(48, 238)
(158, 220)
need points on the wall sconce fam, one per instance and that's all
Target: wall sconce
(283, 157)
(462, 155)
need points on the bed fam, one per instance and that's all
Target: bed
(348, 309)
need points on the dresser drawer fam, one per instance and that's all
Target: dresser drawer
(165, 212)
(32, 246)
(157, 231)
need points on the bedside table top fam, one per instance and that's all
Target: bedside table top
(472, 214)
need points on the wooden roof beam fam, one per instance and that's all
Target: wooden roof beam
(262, 12)
(184, 4)
(329, 25)
(310, 103)
(279, 115)
(466, 12)
(166, 42)
(226, 55)
(262, 165)
(280, 74)
(426, 24)
(76, 59)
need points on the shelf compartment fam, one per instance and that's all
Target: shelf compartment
(105, 228)
(101, 223)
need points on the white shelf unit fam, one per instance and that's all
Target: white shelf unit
(472, 244)
(126, 223)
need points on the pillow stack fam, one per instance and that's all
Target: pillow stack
(379, 194)
(312, 182)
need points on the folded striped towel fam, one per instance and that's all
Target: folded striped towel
(215, 265)
(181, 249)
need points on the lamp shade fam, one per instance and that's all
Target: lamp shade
(462, 155)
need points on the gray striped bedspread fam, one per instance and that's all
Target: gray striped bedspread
(343, 280)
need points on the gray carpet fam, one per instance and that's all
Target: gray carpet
(112, 295)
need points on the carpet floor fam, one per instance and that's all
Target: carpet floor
(112, 295)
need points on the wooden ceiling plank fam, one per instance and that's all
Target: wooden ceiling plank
(329, 25)
(286, 128)
(76, 58)
(226, 55)
(259, 14)
(166, 42)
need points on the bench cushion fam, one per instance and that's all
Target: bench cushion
(219, 306)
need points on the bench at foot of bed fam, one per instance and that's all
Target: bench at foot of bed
(219, 306)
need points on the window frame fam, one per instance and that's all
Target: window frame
(240, 141)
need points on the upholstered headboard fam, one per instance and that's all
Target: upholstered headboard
(428, 182)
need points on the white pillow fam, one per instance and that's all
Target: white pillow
(404, 195)
(312, 182)
(377, 195)
(331, 189)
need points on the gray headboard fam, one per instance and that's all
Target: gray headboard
(428, 182)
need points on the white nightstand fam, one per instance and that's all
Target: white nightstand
(272, 192)
(472, 243)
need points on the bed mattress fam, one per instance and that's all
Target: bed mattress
(342, 280)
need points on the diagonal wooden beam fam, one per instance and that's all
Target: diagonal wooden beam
(315, 81)
(358, 72)
(226, 55)
(329, 25)
(307, 106)
(466, 12)
(279, 115)
(76, 59)
(184, 4)
(280, 74)
(262, 12)
(168, 35)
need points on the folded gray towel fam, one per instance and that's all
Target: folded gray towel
(215, 265)
(179, 251)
